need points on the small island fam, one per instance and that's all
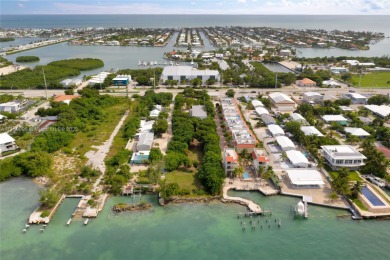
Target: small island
(27, 59)
(131, 207)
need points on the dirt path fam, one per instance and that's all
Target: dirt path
(96, 158)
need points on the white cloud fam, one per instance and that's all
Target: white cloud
(21, 5)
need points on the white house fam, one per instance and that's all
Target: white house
(10, 107)
(282, 101)
(145, 142)
(257, 103)
(305, 178)
(356, 98)
(297, 158)
(146, 126)
(343, 156)
(275, 130)
(297, 118)
(285, 143)
(381, 111)
(338, 70)
(156, 111)
(7, 143)
(313, 97)
(261, 110)
(181, 73)
(356, 131)
(311, 130)
(335, 118)
(331, 83)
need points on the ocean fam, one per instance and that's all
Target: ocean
(186, 231)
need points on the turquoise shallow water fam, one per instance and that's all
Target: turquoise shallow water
(190, 231)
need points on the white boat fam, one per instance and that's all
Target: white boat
(139, 63)
(86, 221)
(24, 230)
(300, 208)
(69, 221)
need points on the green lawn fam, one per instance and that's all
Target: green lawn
(360, 204)
(372, 80)
(185, 180)
(353, 175)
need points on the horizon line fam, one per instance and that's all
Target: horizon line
(213, 14)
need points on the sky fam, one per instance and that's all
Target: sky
(306, 7)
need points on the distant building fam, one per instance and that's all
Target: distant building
(198, 111)
(260, 158)
(282, 101)
(338, 70)
(65, 98)
(285, 52)
(285, 143)
(230, 160)
(356, 98)
(10, 107)
(356, 131)
(7, 143)
(313, 98)
(343, 156)
(257, 103)
(121, 80)
(305, 83)
(331, 83)
(181, 73)
(275, 130)
(261, 110)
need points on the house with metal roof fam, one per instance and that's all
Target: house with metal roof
(261, 110)
(297, 118)
(356, 131)
(285, 143)
(305, 178)
(297, 159)
(267, 119)
(381, 111)
(257, 103)
(356, 98)
(7, 143)
(276, 130)
(145, 142)
(335, 118)
(313, 98)
(311, 130)
(281, 101)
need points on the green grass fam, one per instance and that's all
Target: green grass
(195, 154)
(360, 204)
(185, 180)
(353, 175)
(373, 80)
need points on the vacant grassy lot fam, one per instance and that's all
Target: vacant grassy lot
(185, 180)
(373, 80)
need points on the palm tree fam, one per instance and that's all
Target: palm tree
(238, 172)
(333, 196)
(357, 187)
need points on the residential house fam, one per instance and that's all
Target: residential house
(305, 178)
(343, 156)
(356, 98)
(230, 160)
(7, 143)
(267, 119)
(260, 158)
(297, 118)
(305, 83)
(145, 142)
(10, 107)
(335, 118)
(313, 98)
(281, 101)
(297, 159)
(285, 143)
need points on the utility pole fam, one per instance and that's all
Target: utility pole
(44, 79)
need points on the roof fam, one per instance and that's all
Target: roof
(311, 130)
(198, 111)
(65, 97)
(275, 130)
(331, 82)
(334, 118)
(356, 131)
(297, 117)
(278, 97)
(307, 81)
(267, 119)
(257, 103)
(345, 108)
(6, 138)
(312, 94)
(355, 96)
(230, 155)
(284, 142)
(10, 104)
(146, 126)
(145, 139)
(261, 110)
(296, 157)
(382, 110)
(260, 155)
(187, 71)
(343, 151)
(305, 177)
(384, 150)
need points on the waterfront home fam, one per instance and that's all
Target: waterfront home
(356, 98)
(198, 111)
(7, 143)
(343, 156)
(297, 159)
(259, 157)
(285, 143)
(305, 178)
(305, 83)
(310, 130)
(281, 101)
(313, 98)
(181, 73)
(230, 160)
(10, 107)
(381, 111)
(335, 118)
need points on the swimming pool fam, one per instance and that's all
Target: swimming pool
(372, 197)
(246, 175)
